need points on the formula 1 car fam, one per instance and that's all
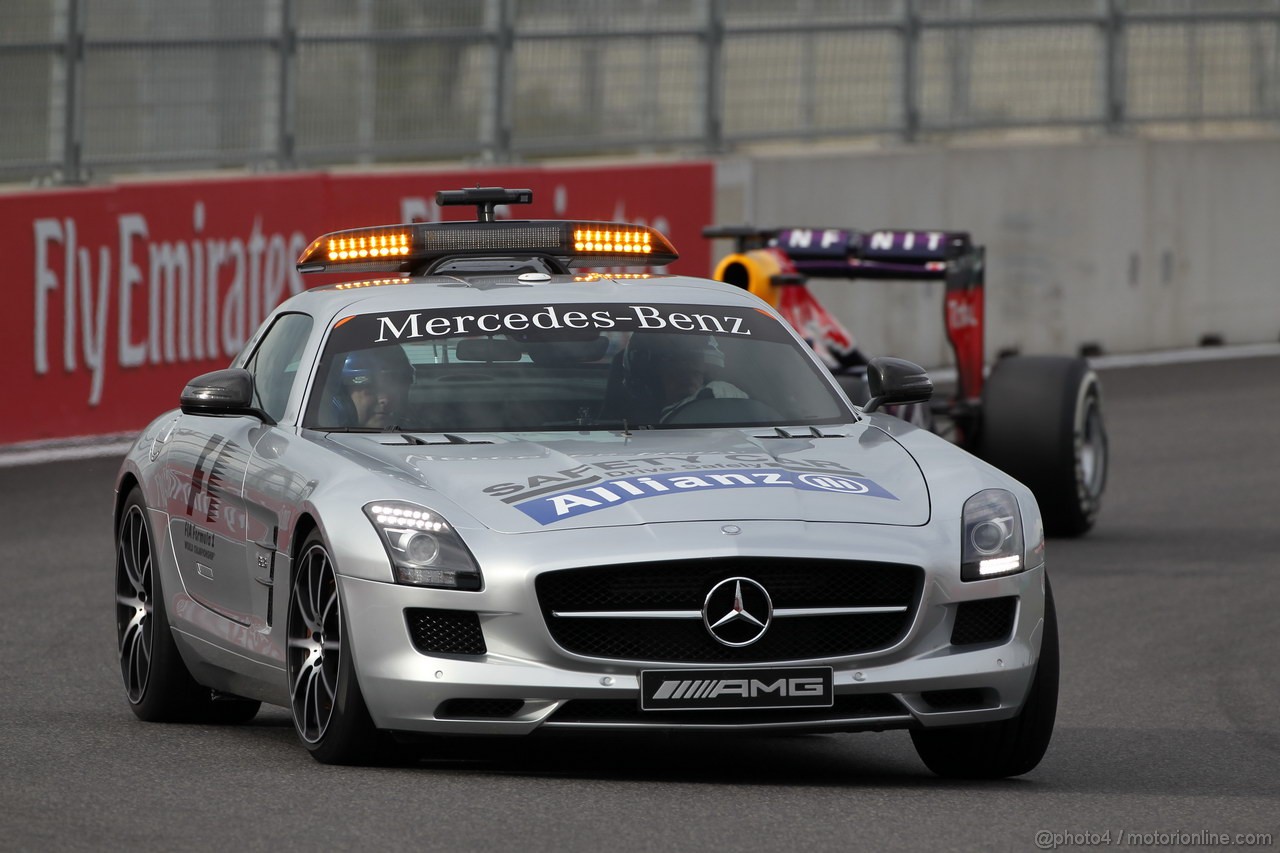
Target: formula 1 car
(486, 494)
(1038, 418)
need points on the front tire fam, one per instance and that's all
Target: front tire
(1042, 424)
(329, 713)
(1009, 747)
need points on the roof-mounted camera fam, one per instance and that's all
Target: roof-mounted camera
(484, 198)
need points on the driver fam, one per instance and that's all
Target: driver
(667, 371)
(373, 388)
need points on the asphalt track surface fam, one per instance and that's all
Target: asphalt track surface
(1167, 720)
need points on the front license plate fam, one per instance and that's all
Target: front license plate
(726, 689)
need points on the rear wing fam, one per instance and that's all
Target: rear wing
(772, 262)
(848, 254)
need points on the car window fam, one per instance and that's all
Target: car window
(568, 367)
(274, 364)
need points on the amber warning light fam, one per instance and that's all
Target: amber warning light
(627, 242)
(371, 245)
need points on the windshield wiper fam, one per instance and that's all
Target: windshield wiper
(619, 424)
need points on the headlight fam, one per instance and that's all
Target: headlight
(424, 549)
(992, 531)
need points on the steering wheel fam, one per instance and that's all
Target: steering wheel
(726, 410)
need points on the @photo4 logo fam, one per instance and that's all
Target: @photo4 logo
(548, 509)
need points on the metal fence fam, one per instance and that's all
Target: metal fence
(99, 87)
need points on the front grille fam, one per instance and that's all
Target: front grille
(682, 585)
(490, 709)
(628, 711)
(451, 632)
(987, 621)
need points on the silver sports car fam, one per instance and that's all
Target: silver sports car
(487, 495)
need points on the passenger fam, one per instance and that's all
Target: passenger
(668, 371)
(373, 389)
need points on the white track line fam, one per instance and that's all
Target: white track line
(1184, 356)
(65, 450)
(91, 447)
(1151, 359)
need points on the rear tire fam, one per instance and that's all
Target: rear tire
(1042, 424)
(157, 684)
(1010, 747)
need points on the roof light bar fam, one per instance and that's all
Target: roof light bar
(419, 246)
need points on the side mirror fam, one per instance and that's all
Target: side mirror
(896, 381)
(222, 393)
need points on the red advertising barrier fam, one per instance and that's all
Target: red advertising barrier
(116, 296)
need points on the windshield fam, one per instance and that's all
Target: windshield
(528, 368)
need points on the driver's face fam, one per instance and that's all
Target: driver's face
(681, 377)
(380, 403)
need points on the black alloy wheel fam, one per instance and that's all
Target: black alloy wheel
(135, 622)
(315, 644)
(329, 713)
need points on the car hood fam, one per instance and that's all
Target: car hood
(519, 483)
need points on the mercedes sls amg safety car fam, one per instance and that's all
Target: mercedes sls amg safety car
(485, 494)
(1036, 417)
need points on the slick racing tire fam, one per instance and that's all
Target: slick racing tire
(156, 681)
(329, 713)
(1010, 747)
(1042, 424)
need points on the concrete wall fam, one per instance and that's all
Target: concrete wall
(1133, 245)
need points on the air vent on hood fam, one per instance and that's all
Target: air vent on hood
(440, 438)
(810, 432)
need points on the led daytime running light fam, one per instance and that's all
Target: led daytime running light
(1000, 565)
(409, 519)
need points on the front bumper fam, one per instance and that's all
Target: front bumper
(922, 680)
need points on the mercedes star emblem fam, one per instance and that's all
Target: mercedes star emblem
(737, 611)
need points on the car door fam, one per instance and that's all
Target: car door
(204, 474)
(223, 542)
(269, 483)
